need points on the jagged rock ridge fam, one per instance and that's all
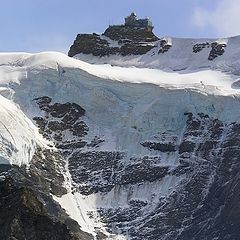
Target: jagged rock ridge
(127, 41)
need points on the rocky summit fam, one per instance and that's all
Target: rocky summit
(127, 39)
(133, 137)
(121, 40)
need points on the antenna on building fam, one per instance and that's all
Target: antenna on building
(110, 21)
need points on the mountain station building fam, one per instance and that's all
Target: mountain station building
(133, 21)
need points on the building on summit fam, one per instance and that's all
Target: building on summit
(133, 21)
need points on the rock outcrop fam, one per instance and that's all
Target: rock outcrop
(25, 215)
(121, 40)
(118, 33)
(198, 47)
(217, 50)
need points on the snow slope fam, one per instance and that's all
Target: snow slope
(14, 68)
(18, 136)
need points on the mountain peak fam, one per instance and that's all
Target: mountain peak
(135, 37)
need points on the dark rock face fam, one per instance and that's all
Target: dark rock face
(129, 40)
(202, 208)
(46, 171)
(160, 146)
(133, 34)
(24, 217)
(164, 46)
(135, 49)
(68, 111)
(101, 171)
(91, 44)
(26, 208)
(87, 168)
(198, 47)
(60, 118)
(217, 50)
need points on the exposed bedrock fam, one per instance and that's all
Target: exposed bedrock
(205, 176)
(127, 41)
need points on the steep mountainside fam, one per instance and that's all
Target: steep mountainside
(145, 147)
